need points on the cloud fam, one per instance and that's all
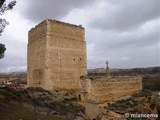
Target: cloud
(11, 63)
(38, 10)
(125, 32)
(126, 15)
(15, 58)
(15, 39)
(135, 48)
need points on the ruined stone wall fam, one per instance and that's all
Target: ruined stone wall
(101, 90)
(92, 111)
(63, 51)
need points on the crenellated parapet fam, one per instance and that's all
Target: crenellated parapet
(66, 24)
(56, 29)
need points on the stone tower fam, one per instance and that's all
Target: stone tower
(56, 55)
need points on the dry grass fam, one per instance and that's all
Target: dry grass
(12, 105)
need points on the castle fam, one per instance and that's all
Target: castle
(56, 55)
(57, 61)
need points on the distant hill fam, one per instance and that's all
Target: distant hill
(149, 71)
(129, 72)
(18, 76)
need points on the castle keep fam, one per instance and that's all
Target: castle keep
(56, 55)
(57, 61)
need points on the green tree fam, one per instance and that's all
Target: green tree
(3, 22)
(2, 50)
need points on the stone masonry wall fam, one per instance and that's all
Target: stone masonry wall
(102, 90)
(62, 53)
(36, 56)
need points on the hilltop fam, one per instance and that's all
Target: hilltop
(148, 71)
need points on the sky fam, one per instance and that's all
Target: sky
(124, 32)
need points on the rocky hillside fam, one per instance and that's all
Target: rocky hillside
(144, 102)
(38, 104)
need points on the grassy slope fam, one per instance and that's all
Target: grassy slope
(128, 105)
(151, 83)
(12, 108)
(16, 111)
